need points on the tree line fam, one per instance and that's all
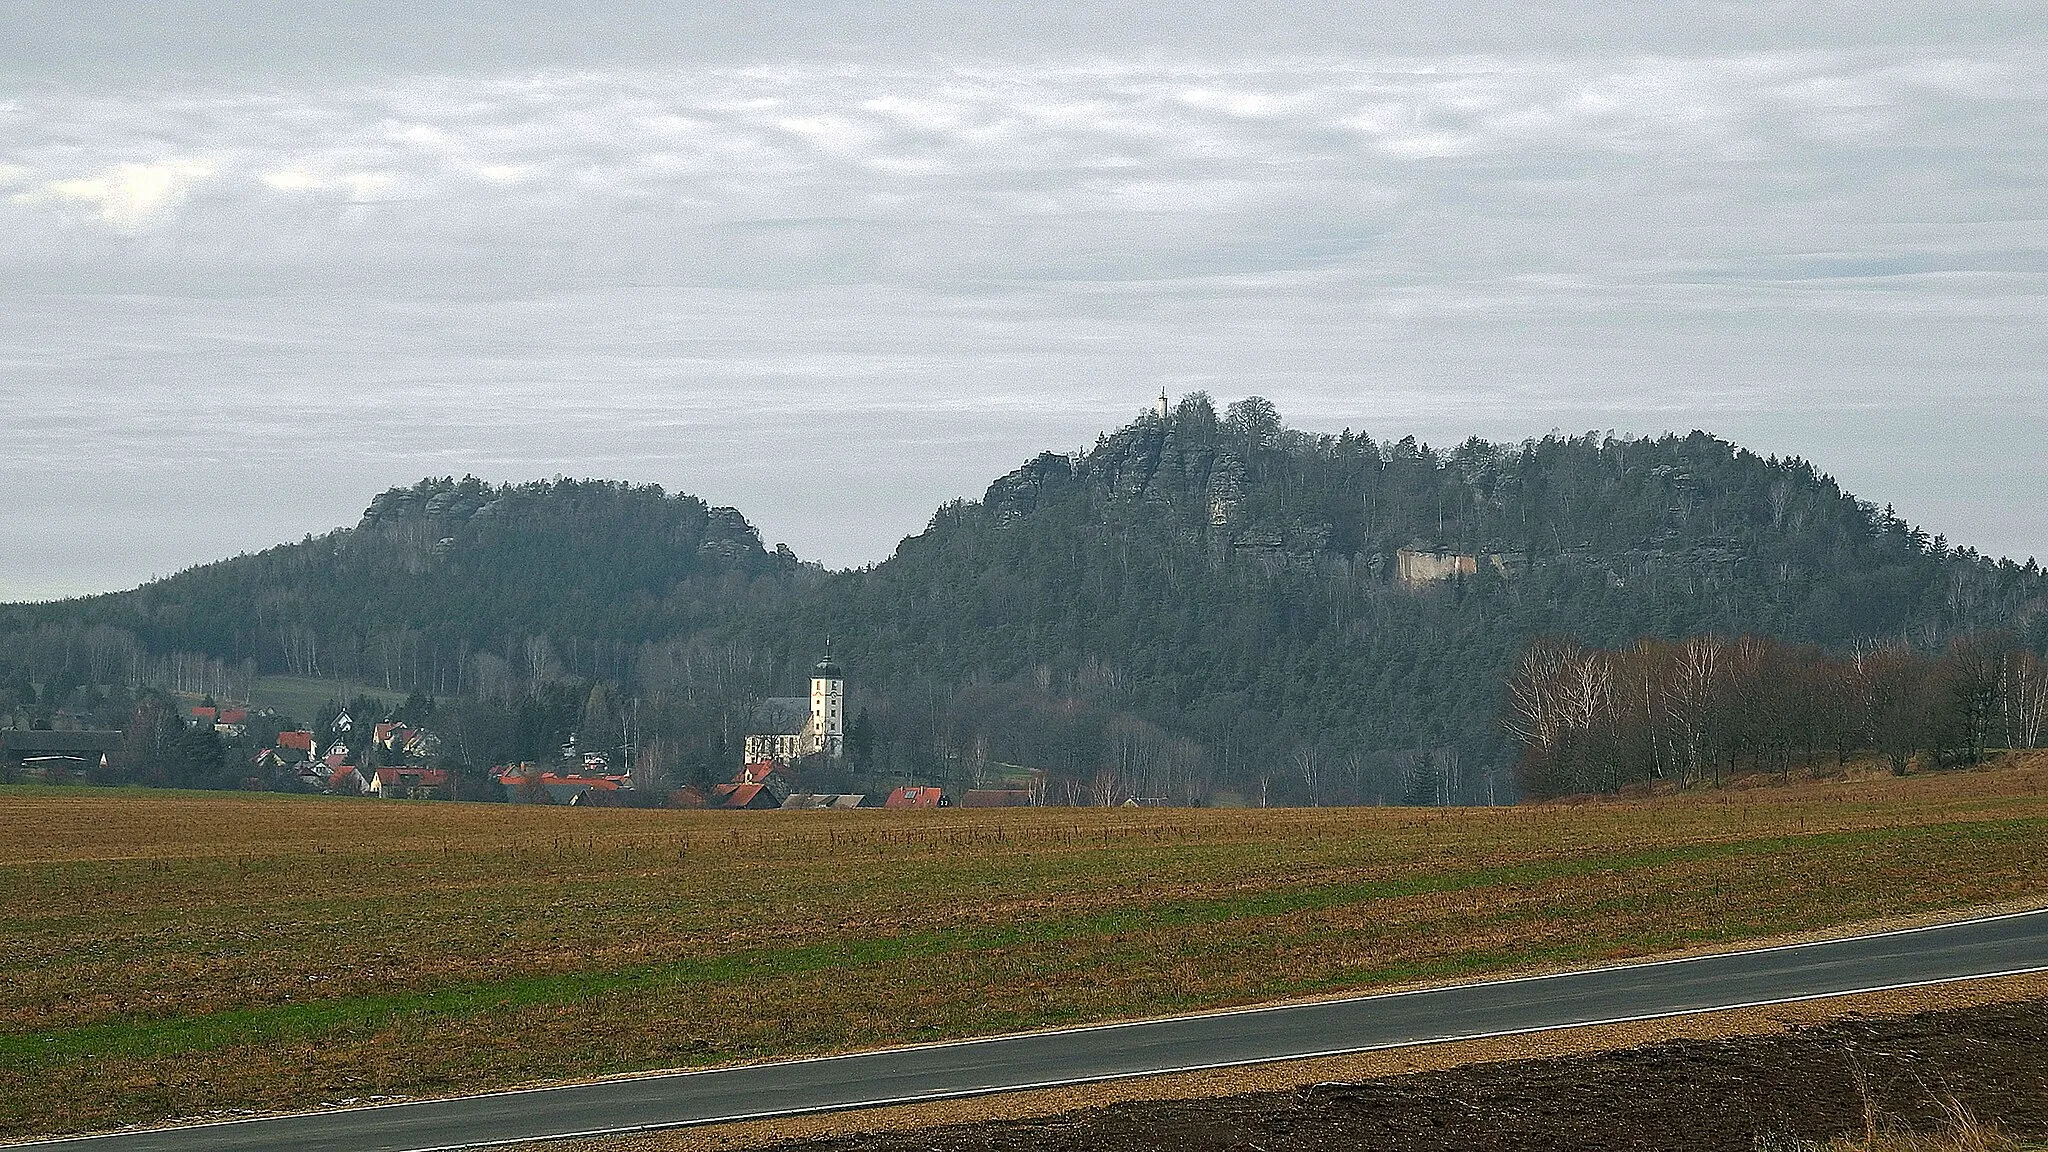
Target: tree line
(1704, 708)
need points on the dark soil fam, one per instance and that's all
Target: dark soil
(1695, 1095)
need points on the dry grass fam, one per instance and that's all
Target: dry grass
(180, 954)
(1961, 1131)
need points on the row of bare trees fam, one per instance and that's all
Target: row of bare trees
(1593, 720)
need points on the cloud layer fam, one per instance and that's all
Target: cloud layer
(837, 294)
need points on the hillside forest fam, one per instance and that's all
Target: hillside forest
(1203, 607)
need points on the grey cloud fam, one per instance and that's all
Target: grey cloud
(381, 37)
(887, 279)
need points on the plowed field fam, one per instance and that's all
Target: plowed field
(182, 954)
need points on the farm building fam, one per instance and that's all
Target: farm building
(63, 752)
(812, 801)
(996, 798)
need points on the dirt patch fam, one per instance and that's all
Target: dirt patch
(1731, 1077)
(1694, 1094)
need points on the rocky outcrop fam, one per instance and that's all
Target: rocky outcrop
(728, 535)
(1022, 492)
(445, 504)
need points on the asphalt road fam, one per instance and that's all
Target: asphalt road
(1982, 947)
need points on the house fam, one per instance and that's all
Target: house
(763, 774)
(301, 740)
(344, 781)
(996, 798)
(743, 796)
(408, 782)
(201, 716)
(758, 784)
(282, 757)
(405, 740)
(309, 772)
(915, 797)
(231, 721)
(600, 790)
(788, 728)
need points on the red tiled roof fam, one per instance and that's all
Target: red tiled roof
(301, 740)
(914, 797)
(203, 713)
(608, 782)
(234, 716)
(735, 795)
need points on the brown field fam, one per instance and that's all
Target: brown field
(178, 955)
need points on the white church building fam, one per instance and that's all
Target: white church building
(789, 728)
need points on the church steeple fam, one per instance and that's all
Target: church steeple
(1164, 406)
(828, 705)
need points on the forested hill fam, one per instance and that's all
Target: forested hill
(1333, 615)
(544, 579)
(1202, 603)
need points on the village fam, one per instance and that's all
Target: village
(393, 759)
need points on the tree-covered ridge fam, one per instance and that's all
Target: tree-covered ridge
(1202, 603)
(560, 576)
(1232, 582)
(1691, 513)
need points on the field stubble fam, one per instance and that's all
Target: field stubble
(174, 955)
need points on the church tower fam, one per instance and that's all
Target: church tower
(828, 708)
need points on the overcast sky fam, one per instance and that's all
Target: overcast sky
(260, 261)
